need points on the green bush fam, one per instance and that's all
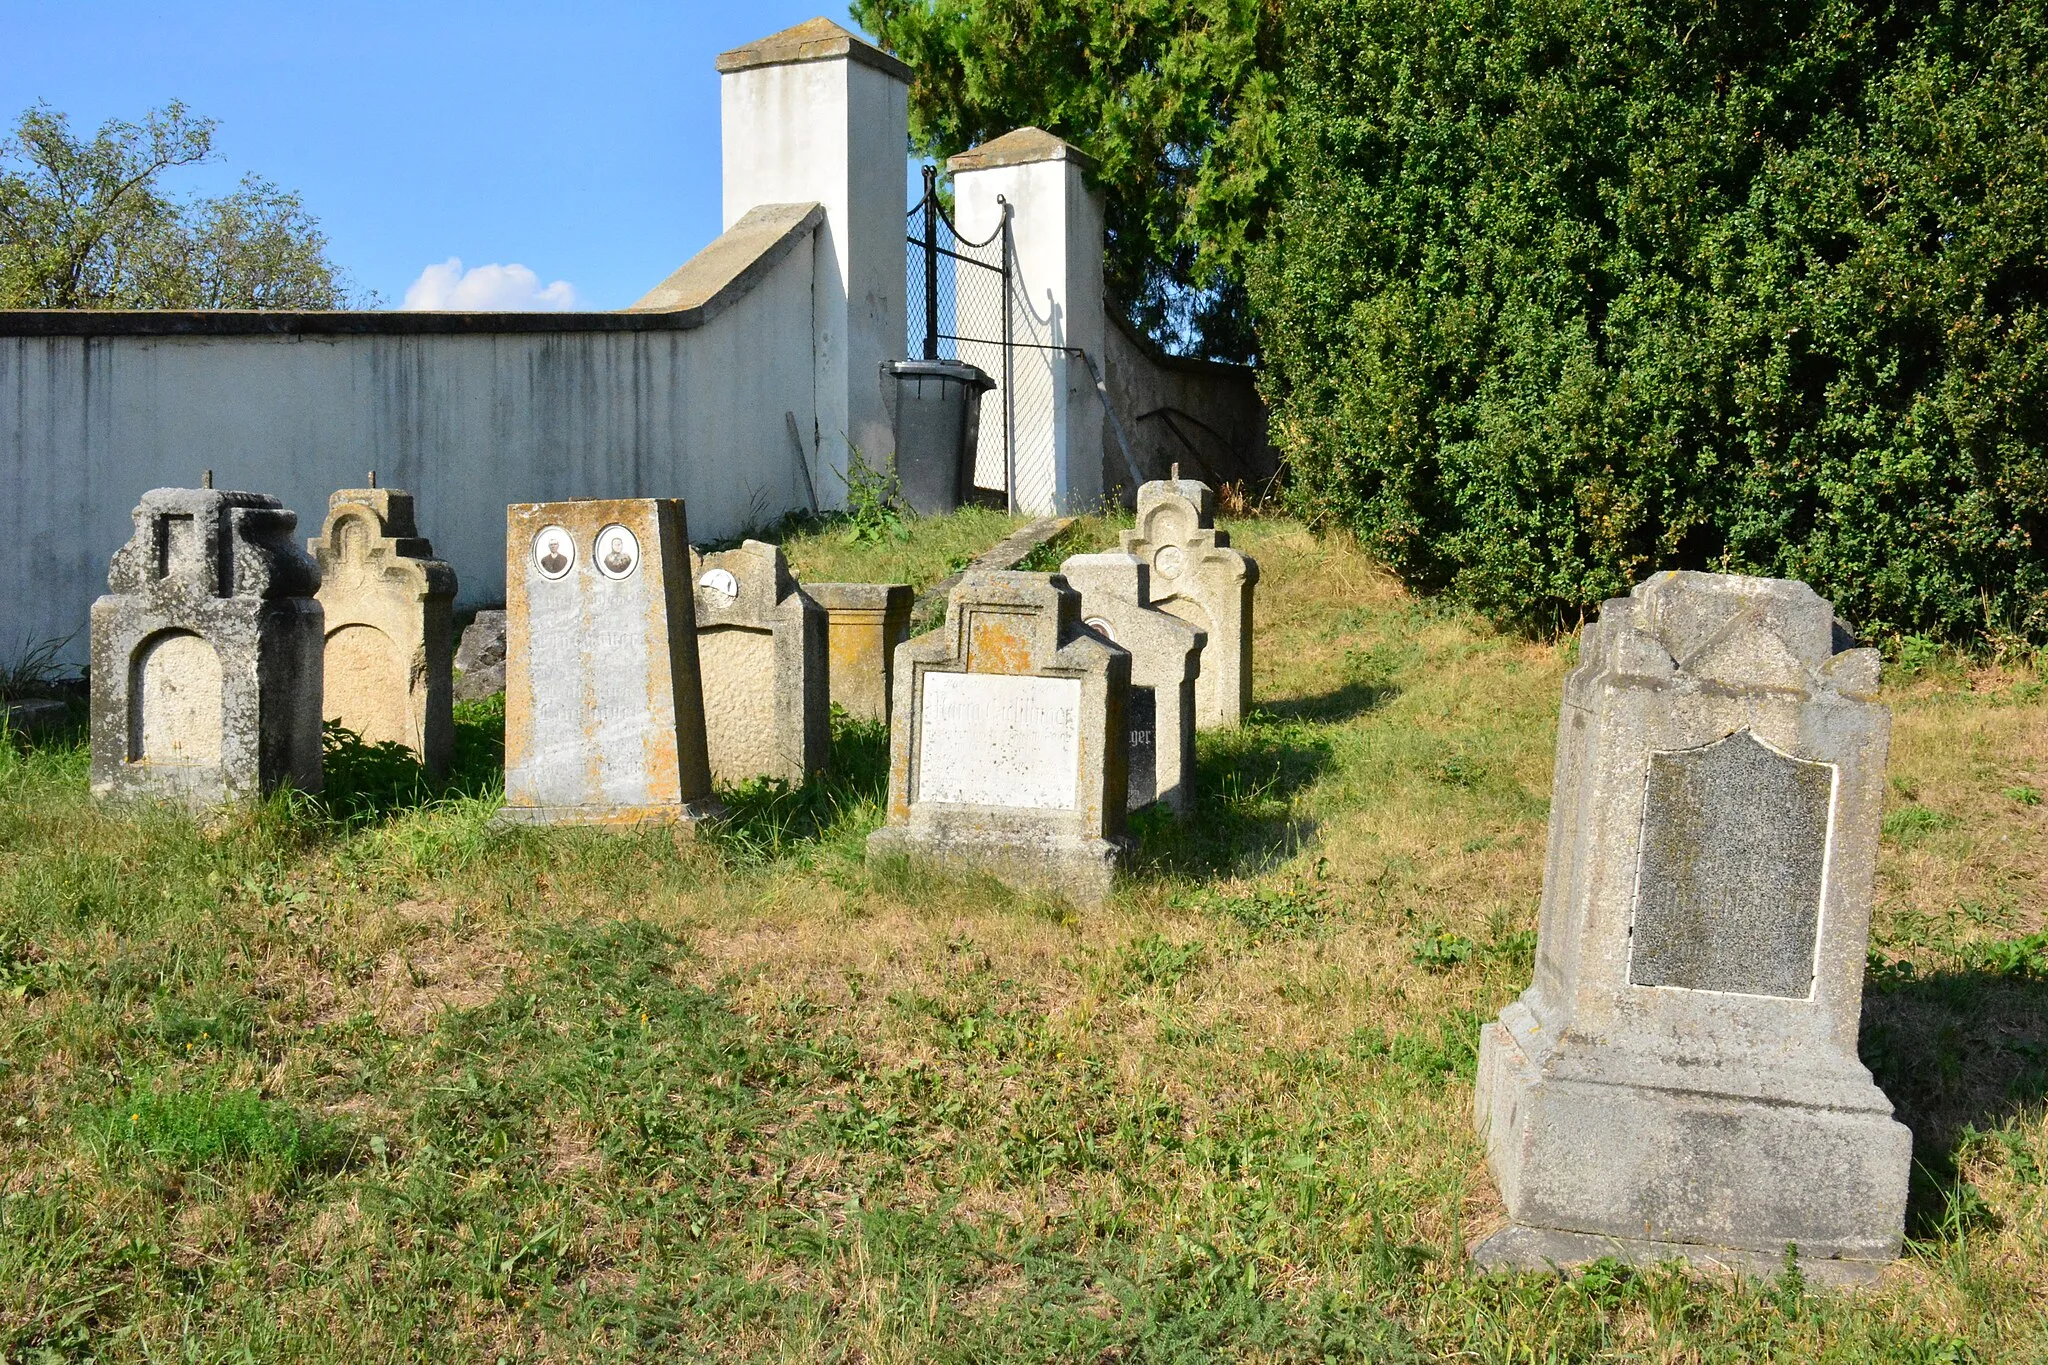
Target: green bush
(1562, 294)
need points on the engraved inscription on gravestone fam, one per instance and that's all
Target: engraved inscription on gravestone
(997, 740)
(1729, 883)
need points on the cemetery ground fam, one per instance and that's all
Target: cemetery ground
(367, 1078)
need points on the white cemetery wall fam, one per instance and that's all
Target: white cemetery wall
(468, 411)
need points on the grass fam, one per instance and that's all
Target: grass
(367, 1079)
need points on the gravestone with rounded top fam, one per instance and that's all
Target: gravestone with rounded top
(761, 646)
(604, 715)
(1007, 747)
(1682, 1077)
(1166, 656)
(206, 653)
(390, 618)
(864, 622)
(1199, 578)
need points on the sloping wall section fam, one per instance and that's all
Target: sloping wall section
(690, 394)
(1205, 416)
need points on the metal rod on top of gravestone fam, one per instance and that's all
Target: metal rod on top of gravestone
(1009, 370)
(931, 262)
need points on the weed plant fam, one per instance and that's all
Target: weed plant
(368, 1078)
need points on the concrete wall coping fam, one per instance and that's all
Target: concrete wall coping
(1167, 360)
(709, 283)
(814, 40)
(725, 270)
(1020, 147)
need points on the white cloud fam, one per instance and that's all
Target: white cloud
(486, 289)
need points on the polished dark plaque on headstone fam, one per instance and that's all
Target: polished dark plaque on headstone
(1143, 711)
(1728, 889)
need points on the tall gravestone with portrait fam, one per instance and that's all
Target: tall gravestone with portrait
(390, 624)
(761, 649)
(604, 714)
(1196, 576)
(206, 653)
(1166, 656)
(1682, 1077)
(1007, 744)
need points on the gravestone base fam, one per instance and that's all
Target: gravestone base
(1516, 1247)
(1721, 1174)
(687, 815)
(1080, 868)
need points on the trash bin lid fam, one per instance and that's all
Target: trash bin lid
(959, 371)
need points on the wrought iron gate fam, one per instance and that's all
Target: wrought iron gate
(959, 292)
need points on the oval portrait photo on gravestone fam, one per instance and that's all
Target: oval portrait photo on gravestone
(616, 552)
(722, 582)
(554, 552)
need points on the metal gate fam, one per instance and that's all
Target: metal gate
(959, 291)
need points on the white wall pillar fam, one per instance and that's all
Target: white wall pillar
(815, 113)
(1056, 302)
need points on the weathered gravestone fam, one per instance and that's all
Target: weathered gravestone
(1007, 745)
(864, 622)
(206, 653)
(1166, 655)
(1682, 1077)
(480, 658)
(761, 646)
(390, 612)
(1199, 578)
(604, 716)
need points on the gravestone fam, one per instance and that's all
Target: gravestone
(864, 622)
(390, 611)
(761, 647)
(1166, 656)
(604, 716)
(1682, 1077)
(1199, 578)
(1007, 745)
(206, 653)
(480, 658)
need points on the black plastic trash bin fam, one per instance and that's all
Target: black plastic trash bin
(938, 418)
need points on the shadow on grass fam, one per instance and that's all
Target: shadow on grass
(1963, 1055)
(767, 819)
(1359, 697)
(1243, 820)
(364, 782)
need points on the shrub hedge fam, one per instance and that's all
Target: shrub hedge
(1564, 292)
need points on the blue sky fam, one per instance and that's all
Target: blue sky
(577, 141)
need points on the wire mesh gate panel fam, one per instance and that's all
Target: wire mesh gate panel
(960, 309)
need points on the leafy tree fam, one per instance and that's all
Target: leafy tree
(86, 224)
(1175, 99)
(1560, 294)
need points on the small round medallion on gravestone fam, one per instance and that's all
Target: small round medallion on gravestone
(1102, 628)
(721, 582)
(1169, 561)
(554, 553)
(617, 552)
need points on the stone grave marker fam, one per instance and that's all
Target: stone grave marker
(864, 622)
(1682, 1077)
(604, 716)
(1166, 656)
(390, 612)
(480, 658)
(1007, 744)
(206, 653)
(1199, 578)
(761, 645)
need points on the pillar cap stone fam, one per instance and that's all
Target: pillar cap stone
(814, 40)
(1020, 147)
